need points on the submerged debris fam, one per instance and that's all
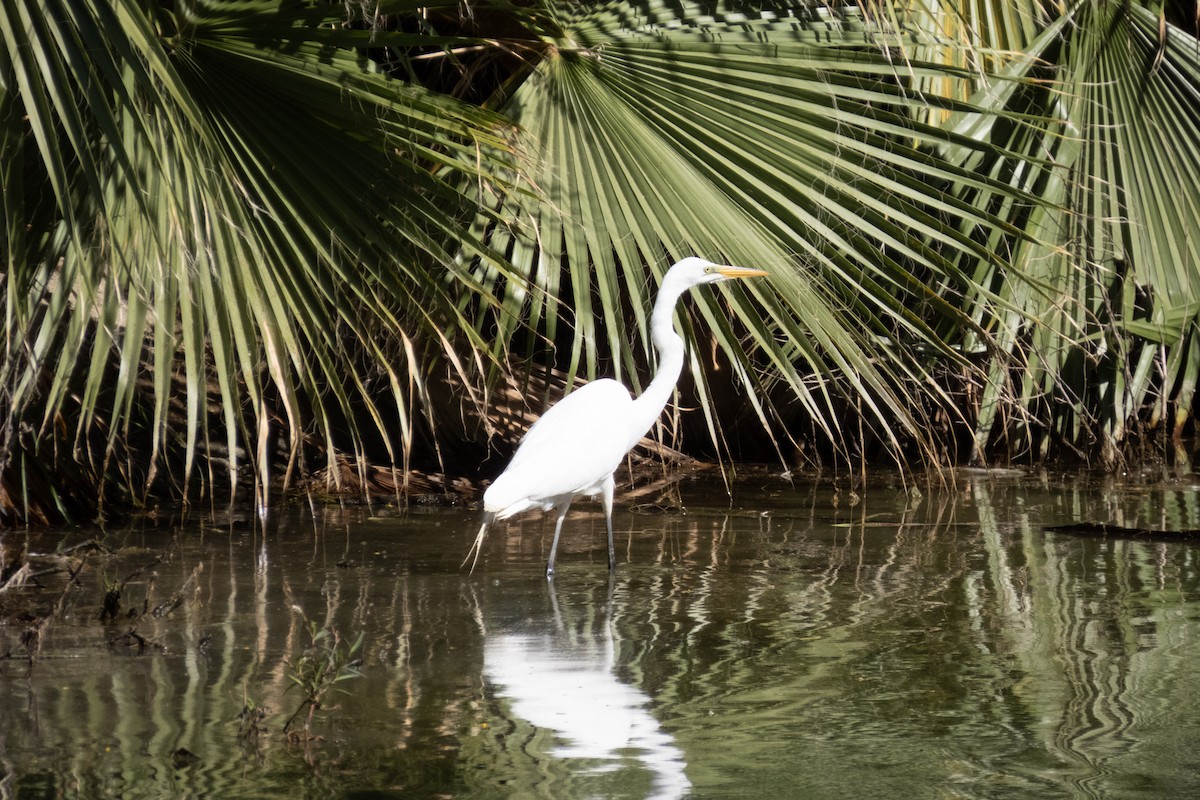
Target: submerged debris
(134, 643)
(1104, 530)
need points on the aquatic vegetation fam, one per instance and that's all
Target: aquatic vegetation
(326, 661)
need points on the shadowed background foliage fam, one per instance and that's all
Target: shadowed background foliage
(276, 244)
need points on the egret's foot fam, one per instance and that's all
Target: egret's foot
(549, 572)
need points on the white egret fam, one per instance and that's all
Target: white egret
(576, 446)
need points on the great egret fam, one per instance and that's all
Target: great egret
(574, 448)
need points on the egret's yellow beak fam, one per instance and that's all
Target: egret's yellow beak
(741, 272)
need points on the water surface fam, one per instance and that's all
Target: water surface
(792, 642)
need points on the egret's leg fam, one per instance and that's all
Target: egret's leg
(475, 548)
(609, 486)
(562, 514)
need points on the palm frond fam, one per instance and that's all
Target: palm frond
(790, 140)
(229, 194)
(1115, 89)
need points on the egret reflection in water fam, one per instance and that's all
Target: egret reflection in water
(564, 682)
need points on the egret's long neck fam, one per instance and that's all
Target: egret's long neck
(669, 344)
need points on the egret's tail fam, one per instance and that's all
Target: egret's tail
(478, 545)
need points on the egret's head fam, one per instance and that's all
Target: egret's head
(693, 271)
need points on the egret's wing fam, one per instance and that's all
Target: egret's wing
(590, 416)
(570, 450)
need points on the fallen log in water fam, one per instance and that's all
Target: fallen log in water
(1104, 530)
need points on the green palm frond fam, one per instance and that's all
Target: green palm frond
(783, 138)
(1114, 88)
(226, 194)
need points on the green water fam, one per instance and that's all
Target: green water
(787, 643)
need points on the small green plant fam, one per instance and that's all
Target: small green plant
(250, 720)
(327, 661)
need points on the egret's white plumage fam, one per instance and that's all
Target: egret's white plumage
(576, 446)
